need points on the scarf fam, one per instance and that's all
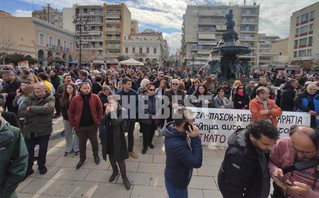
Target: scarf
(241, 93)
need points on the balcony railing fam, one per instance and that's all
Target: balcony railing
(112, 38)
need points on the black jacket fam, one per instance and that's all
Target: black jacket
(115, 126)
(253, 93)
(243, 99)
(288, 94)
(96, 88)
(241, 174)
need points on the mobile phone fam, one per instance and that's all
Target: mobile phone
(284, 182)
(186, 126)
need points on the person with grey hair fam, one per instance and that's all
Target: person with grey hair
(10, 91)
(142, 89)
(84, 76)
(106, 92)
(308, 101)
(37, 110)
(250, 87)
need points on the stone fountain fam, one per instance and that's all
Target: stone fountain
(229, 67)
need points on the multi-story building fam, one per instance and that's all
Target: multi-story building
(37, 38)
(49, 15)
(148, 47)
(264, 45)
(274, 53)
(303, 45)
(134, 27)
(203, 28)
(103, 29)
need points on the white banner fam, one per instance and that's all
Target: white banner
(216, 125)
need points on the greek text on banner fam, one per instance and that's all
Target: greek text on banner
(216, 125)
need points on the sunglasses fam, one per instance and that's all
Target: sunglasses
(175, 84)
(151, 89)
(240, 88)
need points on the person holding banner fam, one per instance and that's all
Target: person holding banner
(244, 172)
(220, 100)
(263, 108)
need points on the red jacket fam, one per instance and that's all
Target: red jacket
(273, 110)
(76, 107)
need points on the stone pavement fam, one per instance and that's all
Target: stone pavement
(145, 173)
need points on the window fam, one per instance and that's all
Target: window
(310, 41)
(133, 49)
(148, 50)
(312, 14)
(309, 52)
(304, 29)
(298, 19)
(58, 42)
(126, 50)
(93, 19)
(141, 50)
(252, 28)
(93, 10)
(297, 31)
(303, 42)
(41, 38)
(50, 40)
(155, 50)
(311, 27)
(302, 53)
(304, 17)
(85, 11)
(296, 43)
(71, 46)
(64, 44)
(295, 54)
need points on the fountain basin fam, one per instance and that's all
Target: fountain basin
(236, 50)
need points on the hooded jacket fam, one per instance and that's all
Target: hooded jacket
(241, 174)
(13, 159)
(288, 94)
(181, 156)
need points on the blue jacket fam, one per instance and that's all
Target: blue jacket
(181, 157)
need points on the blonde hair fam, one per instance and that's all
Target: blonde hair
(237, 83)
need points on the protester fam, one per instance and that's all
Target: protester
(97, 85)
(72, 140)
(243, 172)
(220, 100)
(241, 100)
(183, 153)
(14, 157)
(10, 90)
(175, 96)
(37, 110)
(202, 97)
(308, 101)
(85, 113)
(159, 93)
(288, 93)
(193, 87)
(129, 101)
(249, 88)
(106, 92)
(262, 108)
(209, 83)
(149, 122)
(294, 160)
(43, 77)
(113, 143)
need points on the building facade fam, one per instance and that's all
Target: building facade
(5, 14)
(49, 15)
(147, 47)
(103, 29)
(134, 27)
(264, 45)
(203, 28)
(37, 38)
(303, 45)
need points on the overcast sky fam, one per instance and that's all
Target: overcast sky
(167, 15)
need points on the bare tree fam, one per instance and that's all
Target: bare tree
(6, 44)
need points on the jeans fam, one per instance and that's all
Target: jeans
(101, 131)
(43, 142)
(72, 140)
(175, 192)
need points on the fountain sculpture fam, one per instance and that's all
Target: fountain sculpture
(229, 67)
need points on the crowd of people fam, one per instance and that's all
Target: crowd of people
(102, 105)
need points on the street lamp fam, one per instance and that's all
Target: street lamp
(81, 21)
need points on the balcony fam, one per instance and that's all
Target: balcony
(310, 32)
(113, 21)
(141, 54)
(204, 51)
(301, 58)
(302, 46)
(113, 38)
(112, 55)
(248, 38)
(211, 13)
(248, 22)
(113, 29)
(99, 39)
(248, 31)
(304, 22)
(113, 46)
(248, 14)
(312, 19)
(304, 34)
(95, 23)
